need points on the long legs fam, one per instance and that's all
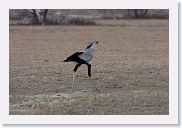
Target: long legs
(94, 85)
(73, 82)
(89, 74)
(74, 70)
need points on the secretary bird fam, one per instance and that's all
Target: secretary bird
(84, 57)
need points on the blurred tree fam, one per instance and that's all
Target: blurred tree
(39, 16)
(137, 13)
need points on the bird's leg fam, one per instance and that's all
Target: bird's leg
(74, 71)
(94, 85)
(89, 74)
(73, 81)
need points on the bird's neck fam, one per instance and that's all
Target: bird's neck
(90, 51)
(93, 47)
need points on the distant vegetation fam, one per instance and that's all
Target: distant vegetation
(79, 16)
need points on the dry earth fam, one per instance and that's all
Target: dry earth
(130, 68)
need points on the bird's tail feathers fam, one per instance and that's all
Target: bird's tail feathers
(66, 60)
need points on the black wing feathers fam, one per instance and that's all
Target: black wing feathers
(75, 57)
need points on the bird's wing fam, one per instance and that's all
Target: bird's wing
(74, 56)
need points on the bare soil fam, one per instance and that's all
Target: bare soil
(130, 67)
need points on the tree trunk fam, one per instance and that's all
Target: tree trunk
(45, 16)
(146, 11)
(136, 13)
(35, 19)
(39, 16)
(128, 13)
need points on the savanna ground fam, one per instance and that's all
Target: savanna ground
(130, 68)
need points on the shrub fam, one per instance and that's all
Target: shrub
(79, 21)
(61, 20)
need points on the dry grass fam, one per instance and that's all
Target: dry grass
(130, 68)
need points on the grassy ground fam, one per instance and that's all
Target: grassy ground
(130, 68)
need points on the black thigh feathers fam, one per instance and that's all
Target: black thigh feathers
(76, 67)
(75, 58)
(89, 68)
